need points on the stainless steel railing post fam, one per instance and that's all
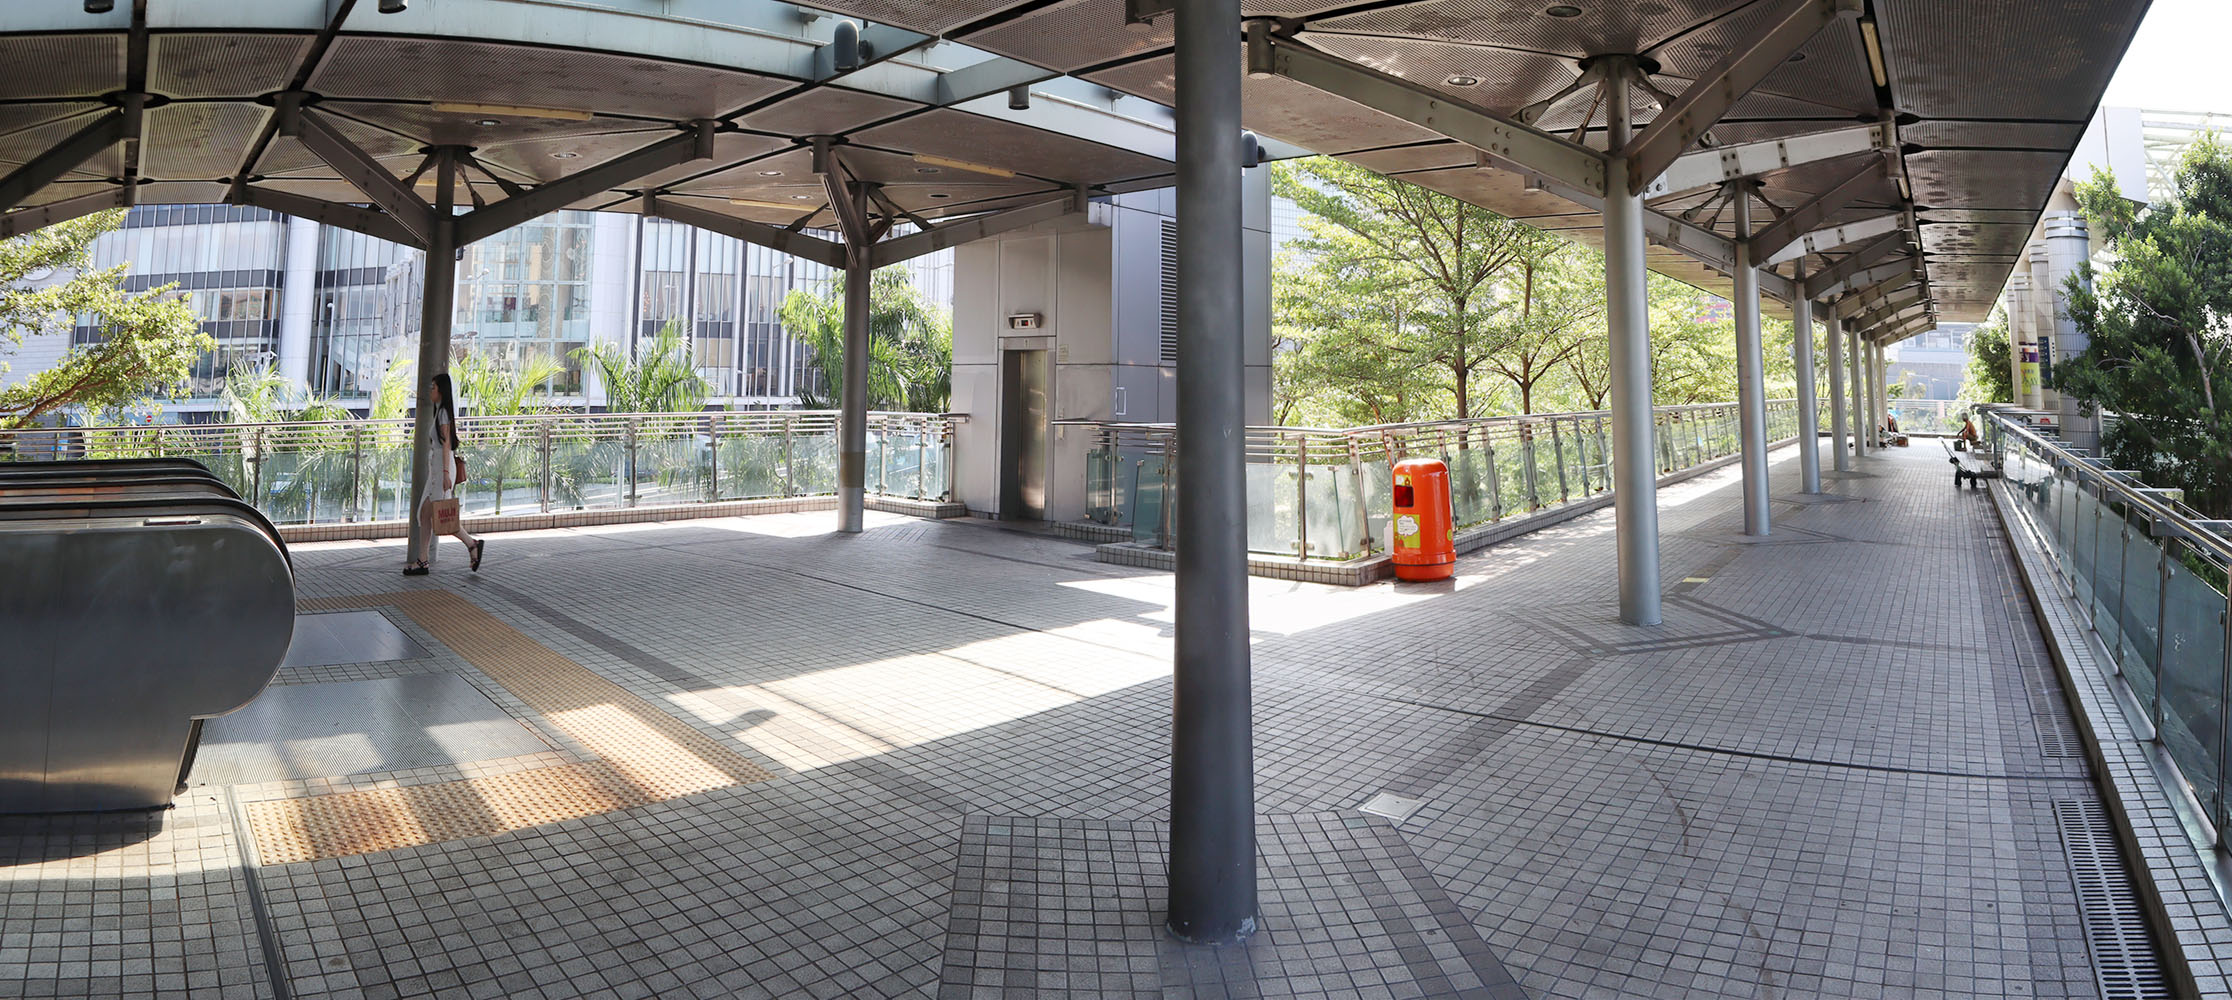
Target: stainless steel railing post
(1301, 497)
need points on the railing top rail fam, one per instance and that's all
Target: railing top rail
(478, 421)
(1374, 430)
(2180, 517)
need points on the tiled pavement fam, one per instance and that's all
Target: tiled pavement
(1832, 772)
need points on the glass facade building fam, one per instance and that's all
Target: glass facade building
(532, 292)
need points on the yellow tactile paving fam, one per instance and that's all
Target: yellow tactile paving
(645, 755)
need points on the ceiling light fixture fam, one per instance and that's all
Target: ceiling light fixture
(393, 6)
(803, 197)
(974, 168)
(927, 170)
(771, 173)
(1796, 57)
(562, 155)
(488, 122)
(756, 203)
(99, 6)
(1463, 81)
(555, 114)
(1874, 46)
(941, 195)
(1562, 10)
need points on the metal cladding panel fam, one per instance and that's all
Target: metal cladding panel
(183, 192)
(960, 135)
(65, 190)
(235, 64)
(2055, 136)
(60, 66)
(1509, 80)
(2003, 58)
(1830, 70)
(1998, 241)
(728, 148)
(1501, 191)
(826, 111)
(1073, 34)
(441, 69)
(198, 141)
(931, 17)
(1428, 156)
(1286, 110)
(1524, 24)
(27, 144)
(334, 190)
(2008, 215)
(17, 117)
(811, 210)
(1154, 79)
(422, 124)
(781, 175)
(1984, 178)
(538, 159)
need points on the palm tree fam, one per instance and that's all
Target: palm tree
(490, 389)
(286, 470)
(910, 344)
(662, 377)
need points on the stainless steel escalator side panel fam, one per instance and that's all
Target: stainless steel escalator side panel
(102, 466)
(135, 626)
(124, 486)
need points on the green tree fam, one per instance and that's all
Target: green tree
(1561, 311)
(661, 378)
(1337, 360)
(1425, 260)
(260, 394)
(1987, 379)
(910, 345)
(148, 343)
(2159, 319)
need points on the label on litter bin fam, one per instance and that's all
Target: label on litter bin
(1406, 530)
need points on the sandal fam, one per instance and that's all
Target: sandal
(416, 569)
(478, 546)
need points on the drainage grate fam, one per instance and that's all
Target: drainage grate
(2123, 951)
(2059, 744)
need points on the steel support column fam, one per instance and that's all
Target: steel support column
(1212, 765)
(437, 312)
(1628, 319)
(852, 416)
(1839, 441)
(1809, 412)
(1859, 393)
(2068, 247)
(1751, 371)
(1877, 391)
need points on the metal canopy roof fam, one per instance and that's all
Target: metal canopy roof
(1984, 101)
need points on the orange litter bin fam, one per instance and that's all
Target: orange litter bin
(1425, 531)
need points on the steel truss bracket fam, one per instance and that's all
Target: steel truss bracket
(1894, 309)
(1706, 168)
(362, 172)
(1837, 236)
(1506, 139)
(1718, 89)
(777, 238)
(912, 245)
(1870, 277)
(82, 145)
(1836, 275)
(349, 217)
(25, 220)
(1784, 231)
(695, 143)
(1691, 240)
(1143, 11)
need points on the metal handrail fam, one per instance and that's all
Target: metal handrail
(2179, 517)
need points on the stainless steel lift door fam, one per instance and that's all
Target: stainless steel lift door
(1026, 403)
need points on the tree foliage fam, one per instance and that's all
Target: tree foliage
(260, 394)
(2159, 319)
(148, 342)
(1415, 270)
(661, 378)
(1988, 378)
(493, 389)
(910, 345)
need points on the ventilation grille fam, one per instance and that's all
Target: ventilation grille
(1169, 292)
(2123, 952)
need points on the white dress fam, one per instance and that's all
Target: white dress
(442, 462)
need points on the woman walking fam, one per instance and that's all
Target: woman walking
(446, 468)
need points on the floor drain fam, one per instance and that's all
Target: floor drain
(1393, 806)
(2059, 744)
(2123, 951)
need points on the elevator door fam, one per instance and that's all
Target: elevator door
(1026, 379)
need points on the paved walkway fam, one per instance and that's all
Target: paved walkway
(931, 761)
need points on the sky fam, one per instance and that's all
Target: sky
(2176, 62)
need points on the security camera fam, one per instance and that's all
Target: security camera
(99, 6)
(393, 6)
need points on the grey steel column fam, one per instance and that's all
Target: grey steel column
(1628, 319)
(1751, 373)
(438, 309)
(1809, 414)
(2068, 247)
(1838, 438)
(2042, 328)
(1212, 753)
(2017, 307)
(1859, 393)
(1879, 390)
(852, 406)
